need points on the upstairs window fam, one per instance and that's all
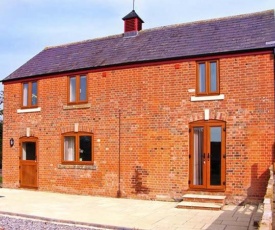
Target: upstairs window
(77, 148)
(29, 94)
(207, 78)
(77, 89)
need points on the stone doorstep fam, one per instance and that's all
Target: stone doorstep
(199, 201)
(204, 198)
(199, 205)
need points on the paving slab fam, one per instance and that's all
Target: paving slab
(114, 213)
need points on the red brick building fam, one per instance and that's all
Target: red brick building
(148, 114)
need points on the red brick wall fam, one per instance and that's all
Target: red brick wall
(154, 144)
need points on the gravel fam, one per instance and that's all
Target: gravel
(18, 223)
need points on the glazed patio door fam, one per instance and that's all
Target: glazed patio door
(207, 155)
(28, 163)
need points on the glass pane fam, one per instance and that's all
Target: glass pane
(198, 156)
(215, 155)
(83, 88)
(34, 93)
(213, 77)
(28, 151)
(69, 148)
(72, 89)
(25, 94)
(85, 148)
(202, 78)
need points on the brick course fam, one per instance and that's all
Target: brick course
(156, 110)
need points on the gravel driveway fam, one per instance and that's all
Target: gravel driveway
(12, 223)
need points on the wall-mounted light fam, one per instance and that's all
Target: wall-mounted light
(11, 142)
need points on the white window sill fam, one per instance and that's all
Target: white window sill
(29, 110)
(208, 98)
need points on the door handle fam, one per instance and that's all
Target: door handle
(208, 156)
(204, 156)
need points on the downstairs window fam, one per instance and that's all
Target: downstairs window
(77, 148)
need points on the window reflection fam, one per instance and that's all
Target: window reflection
(202, 83)
(213, 76)
(72, 89)
(83, 86)
(215, 151)
(34, 93)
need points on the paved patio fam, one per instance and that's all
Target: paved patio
(113, 213)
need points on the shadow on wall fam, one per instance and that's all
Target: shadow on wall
(257, 189)
(139, 181)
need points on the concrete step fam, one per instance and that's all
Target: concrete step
(199, 205)
(199, 201)
(204, 198)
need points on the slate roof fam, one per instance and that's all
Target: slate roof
(237, 33)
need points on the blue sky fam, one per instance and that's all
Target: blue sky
(28, 26)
